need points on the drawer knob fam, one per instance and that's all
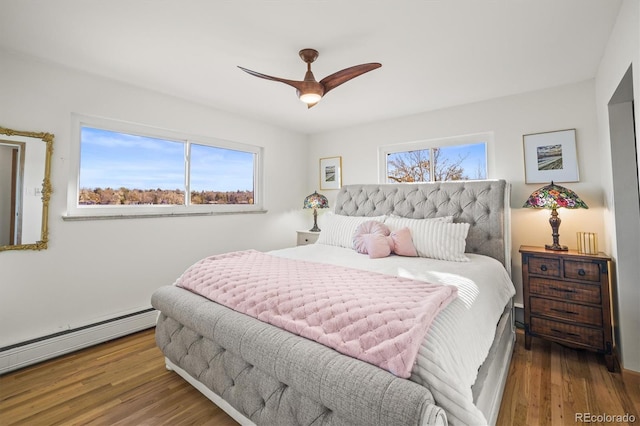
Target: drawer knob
(581, 272)
(543, 267)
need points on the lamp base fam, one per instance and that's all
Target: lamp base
(554, 221)
(315, 221)
(556, 247)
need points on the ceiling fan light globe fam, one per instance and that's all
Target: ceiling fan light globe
(310, 98)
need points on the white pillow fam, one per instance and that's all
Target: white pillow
(437, 239)
(406, 222)
(338, 230)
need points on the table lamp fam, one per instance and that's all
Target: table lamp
(553, 197)
(315, 201)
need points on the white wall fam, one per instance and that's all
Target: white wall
(509, 119)
(96, 270)
(622, 51)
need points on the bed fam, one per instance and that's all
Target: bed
(262, 374)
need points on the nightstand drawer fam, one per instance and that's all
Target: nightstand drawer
(571, 333)
(307, 237)
(544, 266)
(568, 311)
(585, 271)
(568, 291)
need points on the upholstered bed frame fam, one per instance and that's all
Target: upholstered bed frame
(260, 374)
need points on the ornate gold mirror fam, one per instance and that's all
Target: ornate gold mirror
(25, 189)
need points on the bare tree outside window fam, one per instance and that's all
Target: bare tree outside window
(409, 166)
(448, 167)
(460, 162)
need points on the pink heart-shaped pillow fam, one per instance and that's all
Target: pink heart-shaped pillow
(402, 243)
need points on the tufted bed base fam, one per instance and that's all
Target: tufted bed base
(272, 377)
(260, 374)
(278, 384)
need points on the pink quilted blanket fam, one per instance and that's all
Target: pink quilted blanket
(377, 318)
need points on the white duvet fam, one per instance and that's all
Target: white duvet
(461, 335)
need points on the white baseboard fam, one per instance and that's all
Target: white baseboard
(39, 350)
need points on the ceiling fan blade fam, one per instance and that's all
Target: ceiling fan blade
(336, 79)
(309, 90)
(293, 83)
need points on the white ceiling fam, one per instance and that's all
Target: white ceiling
(434, 53)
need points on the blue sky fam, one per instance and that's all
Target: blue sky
(476, 157)
(111, 159)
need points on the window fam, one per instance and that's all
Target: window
(460, 158)
(124, 169)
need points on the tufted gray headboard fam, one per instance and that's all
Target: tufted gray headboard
(484, 204)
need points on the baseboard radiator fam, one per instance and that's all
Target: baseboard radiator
(20, 355)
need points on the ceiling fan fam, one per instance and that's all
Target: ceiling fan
(311, 91)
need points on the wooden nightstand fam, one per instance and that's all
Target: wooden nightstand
(567, 299)
(307, 237)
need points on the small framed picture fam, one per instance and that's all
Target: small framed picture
(550, 156)
(331, 173)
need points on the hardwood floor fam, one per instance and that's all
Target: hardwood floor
(555, 385)
(124, 382)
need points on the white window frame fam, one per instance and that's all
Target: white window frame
(75, 211)
(476, 138)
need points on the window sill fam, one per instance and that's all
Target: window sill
(73, 218)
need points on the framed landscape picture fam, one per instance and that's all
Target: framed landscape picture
(331, 173)
(550, 156)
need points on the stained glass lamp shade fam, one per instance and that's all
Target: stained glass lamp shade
(553, 197)
(316, 201)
